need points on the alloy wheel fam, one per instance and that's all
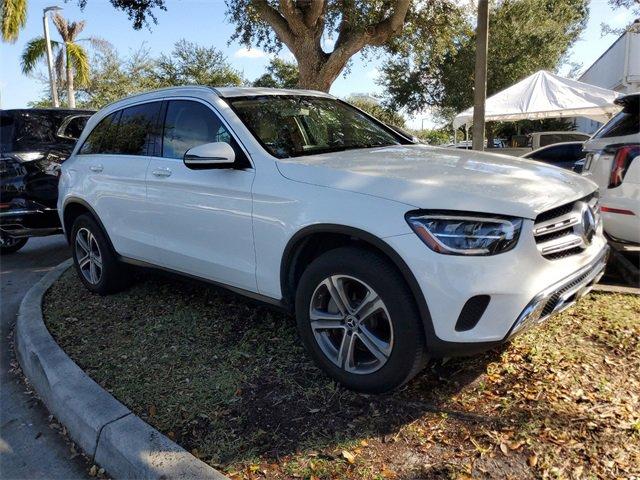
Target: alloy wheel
(351, 324)
(88, 256)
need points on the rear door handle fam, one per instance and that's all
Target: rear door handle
(162, 172)
(96, 168)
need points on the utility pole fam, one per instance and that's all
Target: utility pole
(52, 77)
(480, 85)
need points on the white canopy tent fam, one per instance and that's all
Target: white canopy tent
(545, 95)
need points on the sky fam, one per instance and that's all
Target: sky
(204, 22)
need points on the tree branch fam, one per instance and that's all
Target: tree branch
(380, 33)
(277, 21)
(293, 17)
(312, 10)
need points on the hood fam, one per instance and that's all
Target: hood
(440, 178)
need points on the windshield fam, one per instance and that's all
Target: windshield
(296, 125)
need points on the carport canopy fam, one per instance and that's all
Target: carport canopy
(546, 95)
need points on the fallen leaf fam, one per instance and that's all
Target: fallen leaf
(348, 456)
(532, 460)
(504, 449)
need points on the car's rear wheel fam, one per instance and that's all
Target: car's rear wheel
(358, 319)
(11, 244)
(96, 263)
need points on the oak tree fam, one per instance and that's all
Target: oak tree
(323, 35)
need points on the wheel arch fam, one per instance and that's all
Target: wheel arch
(294, 253)
(74, 207)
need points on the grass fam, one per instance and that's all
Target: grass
(227, 379)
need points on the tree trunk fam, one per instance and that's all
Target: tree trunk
(318, 69)
(71, 94)
(313, 76)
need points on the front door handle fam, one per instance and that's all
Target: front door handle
(96, 168)
(162, 172)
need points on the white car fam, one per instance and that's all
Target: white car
(613, 162)
(388, 252)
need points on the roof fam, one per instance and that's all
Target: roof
(222, 92)
(228, 92)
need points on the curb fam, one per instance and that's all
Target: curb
(114, 437)
(616, 289)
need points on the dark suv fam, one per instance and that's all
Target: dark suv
(33, 144)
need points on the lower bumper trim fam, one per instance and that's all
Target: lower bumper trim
(561, 295)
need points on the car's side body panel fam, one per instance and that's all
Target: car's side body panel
(115, 186)
(283, 207)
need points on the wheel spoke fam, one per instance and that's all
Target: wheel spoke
(370, 305)
(377, 347)
(82, 243)
(92, 271)
(97, 260)
(339, 296)
(326, 321)
(82, 263)
(345, 354)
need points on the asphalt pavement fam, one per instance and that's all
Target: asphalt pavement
(29, 448)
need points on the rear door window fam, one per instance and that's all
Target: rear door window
(137, 130)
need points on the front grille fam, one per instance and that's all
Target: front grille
(568, 229)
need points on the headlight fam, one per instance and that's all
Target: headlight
(28, 156)
(456, 233)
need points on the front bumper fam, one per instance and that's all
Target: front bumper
(510, 282)
(561, 295)
(29, 220)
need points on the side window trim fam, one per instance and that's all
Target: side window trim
(215, 111)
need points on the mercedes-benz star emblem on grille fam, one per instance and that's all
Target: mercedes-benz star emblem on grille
(587, 225)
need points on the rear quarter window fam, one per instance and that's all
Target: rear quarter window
(626, 122)
(102, 138)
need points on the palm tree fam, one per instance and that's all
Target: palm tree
(71, 58)
(14, 17)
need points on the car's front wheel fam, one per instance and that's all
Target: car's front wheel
(358, 319)
(95, 261)
(11, 244)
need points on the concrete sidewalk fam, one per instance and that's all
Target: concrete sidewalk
(29, 449)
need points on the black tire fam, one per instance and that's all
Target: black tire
(407, 345)
(114, 276)
(11, 245)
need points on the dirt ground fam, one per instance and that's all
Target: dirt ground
(227, 379)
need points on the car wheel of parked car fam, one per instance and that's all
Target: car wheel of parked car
(11, 244)
(359, 320)
(94, 259)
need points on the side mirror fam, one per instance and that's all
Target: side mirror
(210, 155)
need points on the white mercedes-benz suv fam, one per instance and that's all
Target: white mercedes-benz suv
(389, 252)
